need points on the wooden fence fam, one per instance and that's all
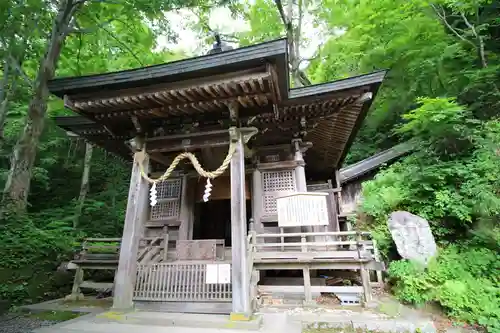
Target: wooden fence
(178, 282)
(339, 244)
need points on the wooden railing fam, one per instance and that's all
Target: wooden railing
(95, 250)
(153, 250)
(178, 281)
(339, 244)
(315, 250)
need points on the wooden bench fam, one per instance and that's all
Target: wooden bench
(95, 254)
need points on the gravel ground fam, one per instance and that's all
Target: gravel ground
(19, 323)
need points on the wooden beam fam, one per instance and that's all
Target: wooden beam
(249, 74)
(193, 141)
(162, 159)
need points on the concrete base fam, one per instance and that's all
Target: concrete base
(220, 308)
(375, 325)
(339, 319)
(235, 316)
(180, 320)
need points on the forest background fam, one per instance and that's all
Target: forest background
(441, 92)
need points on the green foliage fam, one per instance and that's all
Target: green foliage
(449, 179)
(442, 93)
(265, 23)
(462, 279)
(423, 56)
(108, 37)
(30, 256)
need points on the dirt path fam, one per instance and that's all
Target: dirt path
(26, 322)
(21, 323)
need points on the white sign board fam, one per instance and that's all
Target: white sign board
(302, 209)
(218, 273)
(224, 273)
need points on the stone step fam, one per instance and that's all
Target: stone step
(179, 320)
(113, 327)
(364, 321)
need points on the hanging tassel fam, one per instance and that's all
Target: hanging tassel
(208, 190)
(152, 195)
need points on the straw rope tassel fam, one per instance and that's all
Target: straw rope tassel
(140, 156)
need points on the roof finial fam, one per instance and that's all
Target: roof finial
(219, 45)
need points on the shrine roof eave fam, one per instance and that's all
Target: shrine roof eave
(95, 133)
(192, 68)
(363, 167)
(343, 128)
(373, 79)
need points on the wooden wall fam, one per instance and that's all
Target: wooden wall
(352, 193)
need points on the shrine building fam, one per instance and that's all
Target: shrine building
(271, 154)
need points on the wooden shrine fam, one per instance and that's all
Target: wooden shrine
(275, 148)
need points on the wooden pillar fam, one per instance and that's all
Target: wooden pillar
(240, 276)
(307, 285)
(76, 293)
(191, 208)
(300, 172)
(135, 218)
(365, 280)
(184, 214)
(257, 199)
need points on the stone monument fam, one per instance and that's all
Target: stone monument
(413, 236)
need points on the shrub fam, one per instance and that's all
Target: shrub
(30, 257)
(463, 280)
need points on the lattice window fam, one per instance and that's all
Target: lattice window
(169, 200)
(274, 184)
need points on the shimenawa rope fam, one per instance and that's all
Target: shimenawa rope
(141, 155)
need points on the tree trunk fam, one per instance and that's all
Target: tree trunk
(4, 98)
(293, 35)
(17, 187)
(84, 187)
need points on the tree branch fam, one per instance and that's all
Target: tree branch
(298, 30)
(303, 78)
(79, 30)
(479, 38)
(308, 59)
(442, 15)
(279, 5)
(21, 72)
(125, 46)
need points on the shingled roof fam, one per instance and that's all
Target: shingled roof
(194, 94)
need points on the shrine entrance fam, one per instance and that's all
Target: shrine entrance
(213, 220)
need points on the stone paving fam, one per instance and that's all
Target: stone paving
(384, 315)
(274, 321)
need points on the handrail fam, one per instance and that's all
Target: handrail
(102, 240)
(305, 234)
(310, 244)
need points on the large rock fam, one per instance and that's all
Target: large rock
(413, 236)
